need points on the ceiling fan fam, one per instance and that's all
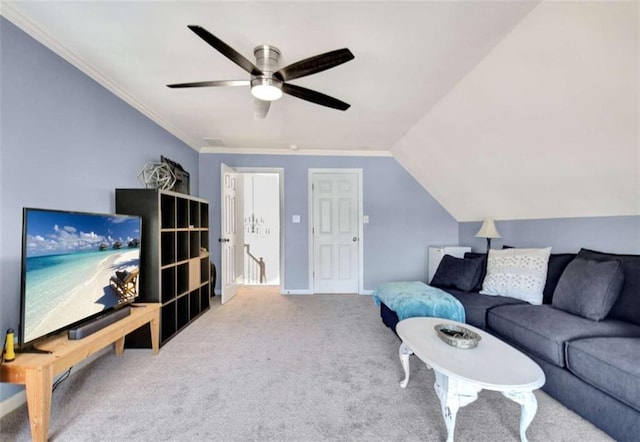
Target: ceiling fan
(267, 82)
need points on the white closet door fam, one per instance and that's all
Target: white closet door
(335, 232)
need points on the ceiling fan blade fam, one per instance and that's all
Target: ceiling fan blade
(226, 50)
(312, 65)
(211, 83)
(260, 109)
(314, 97)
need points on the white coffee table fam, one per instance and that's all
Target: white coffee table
(462, 373)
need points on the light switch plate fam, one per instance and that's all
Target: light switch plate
(295, 219)
(365, 219)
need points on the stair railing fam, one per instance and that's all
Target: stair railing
(255, 268)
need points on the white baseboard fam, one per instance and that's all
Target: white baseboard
(309, 292)
(296, 292)
(20, 398)
(13, 402)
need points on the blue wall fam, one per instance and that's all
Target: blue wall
(403, 219)
(615, 234)
(66, 143)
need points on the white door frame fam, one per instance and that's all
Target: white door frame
(280, 172)
(311, 172)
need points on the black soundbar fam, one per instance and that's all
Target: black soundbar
(84, 330)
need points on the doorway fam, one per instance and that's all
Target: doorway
(252, 239)
(261, 225)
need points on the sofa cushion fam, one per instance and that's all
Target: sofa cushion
(543, 330)
(476, 305)
(557, 263)
(610, 364)
(458, 273)
(517, 273)
(589, 288)
(627, 307)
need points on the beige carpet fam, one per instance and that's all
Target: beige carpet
(267, 367)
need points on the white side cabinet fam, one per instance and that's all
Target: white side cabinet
(436, 253)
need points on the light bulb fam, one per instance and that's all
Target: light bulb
(266, 92)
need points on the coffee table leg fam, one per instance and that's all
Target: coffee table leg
(448, 403)
(528, 408)
(405, 352)
(453, 394)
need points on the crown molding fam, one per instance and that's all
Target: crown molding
(32, 29)
(304, 152)
(15, 17)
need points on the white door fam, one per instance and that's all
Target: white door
(228, 232)
(335, 232)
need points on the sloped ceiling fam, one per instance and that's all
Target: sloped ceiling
(545, 126)
(407, 56)
(506, 109)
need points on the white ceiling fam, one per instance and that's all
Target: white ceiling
(407, 56)
(508, 109)
(546, 126)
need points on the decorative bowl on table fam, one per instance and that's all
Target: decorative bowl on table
(457, 336)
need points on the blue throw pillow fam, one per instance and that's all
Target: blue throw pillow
(627, 307)
(483, 258)
(589, 288)
(458, 273)
(557, 263)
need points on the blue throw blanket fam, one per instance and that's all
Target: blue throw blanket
(415, 298)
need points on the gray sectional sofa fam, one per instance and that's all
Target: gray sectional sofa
(585, 335)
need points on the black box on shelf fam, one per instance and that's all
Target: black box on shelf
(182, 176)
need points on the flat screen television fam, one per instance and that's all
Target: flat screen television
(68, 261)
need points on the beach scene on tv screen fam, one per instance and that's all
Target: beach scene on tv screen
(77, 265)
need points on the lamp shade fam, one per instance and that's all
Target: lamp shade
(488, 230)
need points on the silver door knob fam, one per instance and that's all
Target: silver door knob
(355, 238)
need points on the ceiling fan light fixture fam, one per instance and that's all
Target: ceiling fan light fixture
(268, 80)
(266, 89)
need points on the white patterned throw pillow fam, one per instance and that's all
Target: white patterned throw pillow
(517, 273)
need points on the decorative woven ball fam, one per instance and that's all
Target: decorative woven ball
(157, 176)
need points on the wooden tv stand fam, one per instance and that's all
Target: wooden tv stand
(36, 370)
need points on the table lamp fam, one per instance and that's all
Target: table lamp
(488, 230)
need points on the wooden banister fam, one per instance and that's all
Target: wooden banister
(253, 263)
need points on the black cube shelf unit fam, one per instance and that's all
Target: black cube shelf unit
(174, 265)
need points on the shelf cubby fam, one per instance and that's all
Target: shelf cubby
(168, 248)
(168, 321)
(204, 216)
(204, 239)
(182, 279)
(168, 212)
(194, 244)
(182, 213)
(194, 214)
(168, 284)
(194, 303)
(205, 294)
(204, 270)
(182, 310)
(182, 246)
